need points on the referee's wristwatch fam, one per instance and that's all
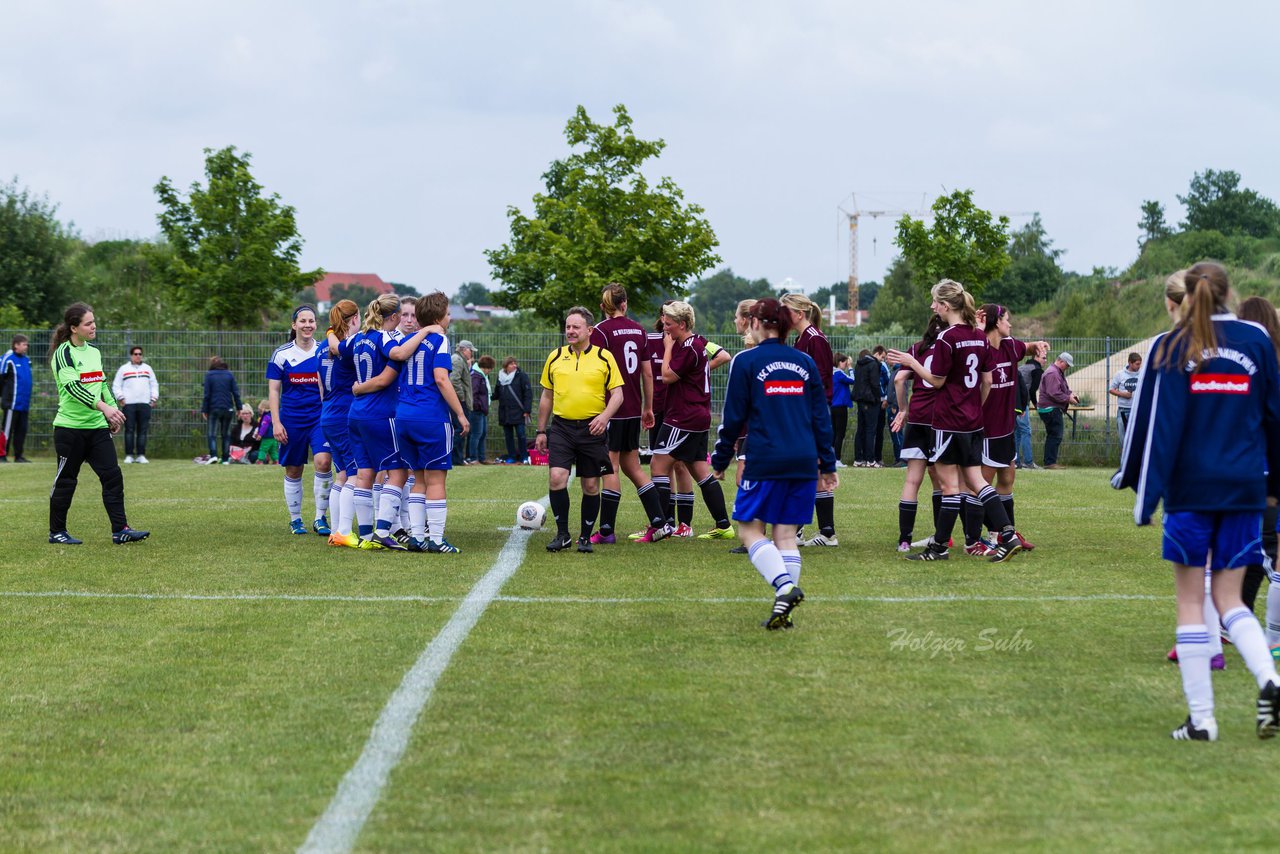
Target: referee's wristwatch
(540, 433)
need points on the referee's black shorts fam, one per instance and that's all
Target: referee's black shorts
(571, 445)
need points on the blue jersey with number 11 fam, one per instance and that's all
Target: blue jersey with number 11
(420, 398)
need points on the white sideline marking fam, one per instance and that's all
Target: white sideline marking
(558, 600)
(361, 787)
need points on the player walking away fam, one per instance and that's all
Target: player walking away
(625, 341)
(337, 375)
(585, 388)
(136, 388)
(998, 445)
(686, 374)
(915, 421)
(371, 421)
(775, 392)
(1206, 441)
(295, 395)
(424, 432)
(15, 399)
(961, 374)
(806, 319)
(742, 325)
(87, 416)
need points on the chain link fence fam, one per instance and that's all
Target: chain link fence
(181, 358)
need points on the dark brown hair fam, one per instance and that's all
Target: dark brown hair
(1262, 312)
(613, 298)
(431, 308)
(71, 317)
(771, 315)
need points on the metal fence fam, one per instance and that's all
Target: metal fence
(181, 358)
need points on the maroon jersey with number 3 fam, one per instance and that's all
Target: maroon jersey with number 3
(689, 400)
(625, 339)
(961, 355)
(997, 411)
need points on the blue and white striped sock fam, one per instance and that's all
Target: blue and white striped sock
(1243, 629)
(767, 560)
(1193, 664)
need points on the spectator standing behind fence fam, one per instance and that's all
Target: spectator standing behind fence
(841, 400)
(866, 394)
(221, 402)
(886, 385)
(136, 389)
(1055, 397)
(480, 394)
(15, 399)
(460, 376)
(515, 402)
(1122, 387)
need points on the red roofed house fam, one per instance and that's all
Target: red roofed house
(324, 287)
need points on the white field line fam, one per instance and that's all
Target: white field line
(562, 600)
(361, 787)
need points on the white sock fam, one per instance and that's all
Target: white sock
(791, 560)
(767, 560)
(335, 499)
(320, 488)
(405, 492)
(346, 509)
(362, 500)
(388, 508)
(417, 507)
(1193, 663)
(293, 496)
(1211, 618)
(1273, 607)
(1246, 634)
(437, 512)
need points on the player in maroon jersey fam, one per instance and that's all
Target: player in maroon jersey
(687, 419)
(915, 421)
(961, 373)
(806, 320)
(625, 339)
(997, 410)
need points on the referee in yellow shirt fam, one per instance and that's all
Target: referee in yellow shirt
(583, 389)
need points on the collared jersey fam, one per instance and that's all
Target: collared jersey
(298, 372)
(920, 407)
(371, 354)
(625, 341)
(997, 409)
(656, 350)
(337, 376)
(689, 398)
(420, 398)
(961, 355)
(580, 382)
(77, 371)
(815, 344)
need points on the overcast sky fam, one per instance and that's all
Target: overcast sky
(401, 131)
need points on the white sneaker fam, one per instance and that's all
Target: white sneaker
(141, 459)
(820, 540)
(128, 458)
(840, 465)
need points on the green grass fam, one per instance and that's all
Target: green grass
(651, 714)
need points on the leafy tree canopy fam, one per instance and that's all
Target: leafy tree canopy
(900, 301)
(600, 221)
(35, 249)
(964, 243)
(1033, 274)
(1152, 224)
(474, 293)
(357, 293)
(235, 251)
(715, 298)
(1217, 202)
(129, 282)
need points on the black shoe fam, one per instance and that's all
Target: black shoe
(1188, 732)
(930, 553)
(738, 550)
(3, 460)
(62, 538)
(1006, 547)
(783, 605)
(129, 535)
(584, 545)
(22, 460)
(561, 542)
(403, 537)
(1269, 710)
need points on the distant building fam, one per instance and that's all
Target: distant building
(844, 317)
(324, 287)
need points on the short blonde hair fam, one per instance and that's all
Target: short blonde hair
(680, 312)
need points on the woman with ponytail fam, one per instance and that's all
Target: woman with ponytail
(1205, 441)
(806, 321)
(87, 417)
(337, 375)
(295, 394)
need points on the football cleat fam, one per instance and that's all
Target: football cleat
(979, 548)
(560, 543)
(1005, 549)
(1189, 732)
(600, 539)
(62, 538)
(1026, 544)
(820, 539)
(738, 550)
(370, 545)
(682, 530)
(389, 543)
(442, 548)
(1275, 652)
(1269, 710)
(1218, 662)
(719, 534)
(904, 547)
(402, 537)
(296, 527)
(415, 545)
(584, 545)
(348, 540)
(783, 605)
(652, 534)
(129, 535)
(920, 544)
(930, 553)
(321, 527)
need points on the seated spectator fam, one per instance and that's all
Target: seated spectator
(244, 437)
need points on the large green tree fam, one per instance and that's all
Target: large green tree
(1217, 202)
(128, 280)
(473, 293)
(600, 221)
(35, 249)
(1152, 224)
(964, 243)
(1033, 274)
(715, 298)
(235, 250)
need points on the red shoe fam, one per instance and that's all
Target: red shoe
(1026, 546)
(1173, 654)
(683, 530)
(979, 549)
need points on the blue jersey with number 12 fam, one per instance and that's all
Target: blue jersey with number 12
(370, 353)
(420, 398)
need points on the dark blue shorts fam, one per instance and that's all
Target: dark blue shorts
(373, 443)
(425, 445)
(776, 502)
(338, 435)
(1234, 539)
(304, 440)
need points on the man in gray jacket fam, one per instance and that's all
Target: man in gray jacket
(460, 376)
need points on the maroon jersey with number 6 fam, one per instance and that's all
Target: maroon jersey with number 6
(920, 408)
(961, 355)
(997, 411)
(625, 339)
(654, 340)
(689, 400)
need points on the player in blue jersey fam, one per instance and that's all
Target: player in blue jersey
(423, 429)
(1205, 440)
(372, 422)
(295, 395)
(337, 375)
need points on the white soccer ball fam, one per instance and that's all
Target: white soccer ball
(531, 515)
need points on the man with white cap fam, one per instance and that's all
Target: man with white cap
(1055, 397)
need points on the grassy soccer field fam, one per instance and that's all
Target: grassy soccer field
(209, 688)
